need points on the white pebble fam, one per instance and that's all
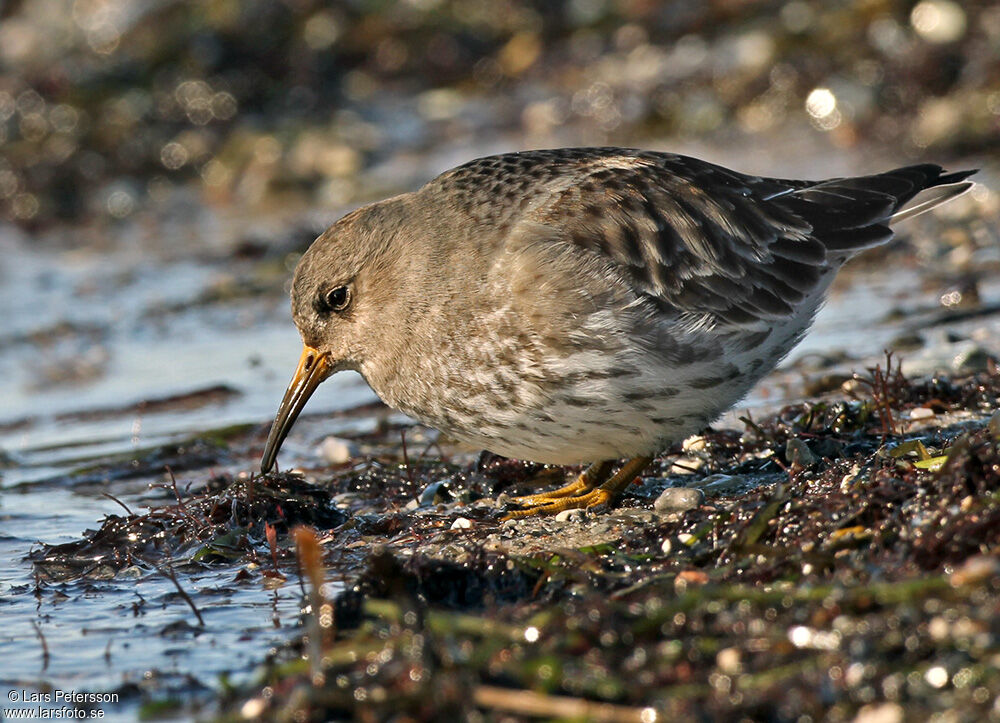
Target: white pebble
(687, 465)
(694, 443)
(335, 450)
(461, 523)
(570, 516)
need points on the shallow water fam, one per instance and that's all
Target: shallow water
(90, 332)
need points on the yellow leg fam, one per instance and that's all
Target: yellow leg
(605, 493)
(587, 480)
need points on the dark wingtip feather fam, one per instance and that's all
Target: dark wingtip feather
(955, 177)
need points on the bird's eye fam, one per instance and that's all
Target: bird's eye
(337, 298)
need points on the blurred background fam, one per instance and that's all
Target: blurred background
(108, 106)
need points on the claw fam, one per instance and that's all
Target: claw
(593, 498)
(574, 489)
(597, 490)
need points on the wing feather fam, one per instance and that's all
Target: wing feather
(689, 236)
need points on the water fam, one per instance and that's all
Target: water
(85, 332)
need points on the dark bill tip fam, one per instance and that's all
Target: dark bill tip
(314, 367)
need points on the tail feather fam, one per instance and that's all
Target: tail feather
(930, 198)
(849, 215)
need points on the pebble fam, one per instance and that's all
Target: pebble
(344, 499)
(633, 514)
(687, 465)
(797, 451)
(461, 523)
(335, 450)
(695, 443)
(921, 413)
(717, 484)
(571, 516)
(678, 499)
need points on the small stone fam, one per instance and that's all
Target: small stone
(335, 450)
(678, 499)
(921, 413)
(851, 386)
(694, 443)
(798, 452)
(344, 499)
(667, 546)
(717, 484)
(687, 465)
(570, 516)
(461, 523)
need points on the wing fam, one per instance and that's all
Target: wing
(690, 236)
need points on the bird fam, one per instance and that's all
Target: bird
(582, 305)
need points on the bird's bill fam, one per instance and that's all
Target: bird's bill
(314, 367)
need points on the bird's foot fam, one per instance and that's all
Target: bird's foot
(574, 489)
(548, 505)
(596, 488)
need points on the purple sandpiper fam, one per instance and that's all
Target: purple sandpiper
(582, 304)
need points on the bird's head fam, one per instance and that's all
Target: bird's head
(342, 286)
